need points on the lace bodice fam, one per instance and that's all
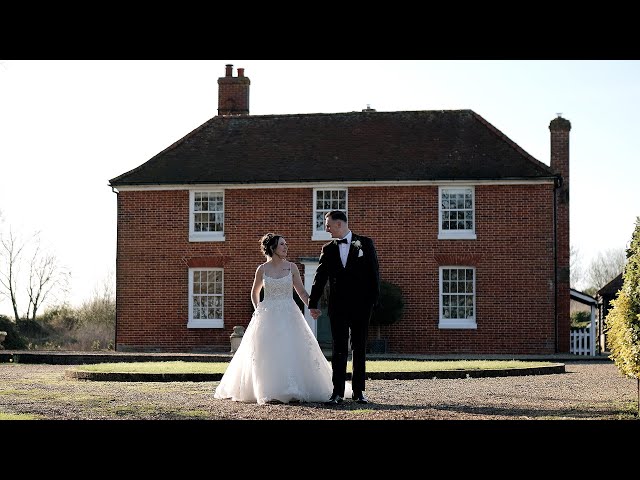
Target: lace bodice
(278, 289)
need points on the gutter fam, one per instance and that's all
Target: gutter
(115, 331)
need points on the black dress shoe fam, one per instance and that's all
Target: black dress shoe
(359, 397)
(334, 399)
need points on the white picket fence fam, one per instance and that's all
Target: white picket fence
(583, 341)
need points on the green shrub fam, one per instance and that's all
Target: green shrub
(33, 329)
(391, 305)
(580, 319)
(623, 319)
(62, 317)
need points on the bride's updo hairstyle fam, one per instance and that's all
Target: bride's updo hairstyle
(268, 243)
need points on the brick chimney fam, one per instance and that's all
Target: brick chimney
(560, 128)
(233, 93)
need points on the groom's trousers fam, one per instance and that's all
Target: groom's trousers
(341, 323)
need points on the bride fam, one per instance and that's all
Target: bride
(279, 359)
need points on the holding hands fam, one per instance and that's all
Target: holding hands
(315, 312)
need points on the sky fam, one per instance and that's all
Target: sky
(69, 126)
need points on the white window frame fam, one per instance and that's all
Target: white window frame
(324, 235)
(468, 234)
(462, 323)
(209, 322)
(204, 236)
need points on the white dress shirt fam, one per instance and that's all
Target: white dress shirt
(344, 248)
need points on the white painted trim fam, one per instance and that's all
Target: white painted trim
(205, 324)
(458, 323)
(457, 234)
(324, 235)
(199, 323)
(462, 323)
(204, 236)
(581, 297)
(592, 332)
(322, 185)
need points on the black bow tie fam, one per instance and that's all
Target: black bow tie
(344, 240)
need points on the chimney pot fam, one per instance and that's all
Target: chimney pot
(233, 93)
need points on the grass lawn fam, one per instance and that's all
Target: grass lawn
(372, 366)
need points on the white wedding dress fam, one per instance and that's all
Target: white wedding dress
(279, 358)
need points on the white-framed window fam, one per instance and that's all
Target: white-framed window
(206, 215)
(206, 298)
(456, 213)
(457, 297)
(325, 200)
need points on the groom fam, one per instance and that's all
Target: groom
(350, 263)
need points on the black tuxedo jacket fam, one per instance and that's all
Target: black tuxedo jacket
(351, 288)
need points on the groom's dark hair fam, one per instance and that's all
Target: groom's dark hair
(337, 215)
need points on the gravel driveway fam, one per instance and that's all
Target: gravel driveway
(587, 390)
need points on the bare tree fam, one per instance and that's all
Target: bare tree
(10, 253)
(605, 267)
(46, 276)
(576, 273)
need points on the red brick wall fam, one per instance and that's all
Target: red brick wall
(513, 256)
(233, 94)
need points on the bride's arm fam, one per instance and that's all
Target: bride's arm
(298, 285)
(257, 286)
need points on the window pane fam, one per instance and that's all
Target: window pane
(456, 209)
(208, 213)
(207, 294)
(457, 296)
(325, 201)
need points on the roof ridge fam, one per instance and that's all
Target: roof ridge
(357, 112)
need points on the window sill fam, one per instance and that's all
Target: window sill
(325, 237)
(460, 324)
(205, 324)
(198, 237)
(457, 236)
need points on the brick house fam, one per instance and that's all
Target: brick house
(472, 228)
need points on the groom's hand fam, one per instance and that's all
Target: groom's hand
(315, 312)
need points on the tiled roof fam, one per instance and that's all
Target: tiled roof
(355, 146)
(612, 287)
